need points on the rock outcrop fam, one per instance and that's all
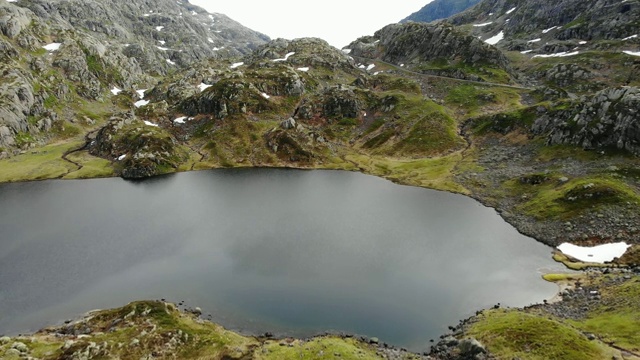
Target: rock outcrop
(608, 119)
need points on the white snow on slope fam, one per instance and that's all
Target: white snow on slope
(346, 51)
(264, 95)
(203, 87)
(115, 91)
(122, 157)
(483, 24)
(235, 65)
(597, 254)
(210, 40)
(287, 56)
(170, 62)
(371, 66)
(180, 120)
(560, 54)
(510, 11)
(303, 69)
(149, 123)
(630, 37)
(141, 103)
(632, 53)
(534, 40)
(495, 39)
(141, 93)
(162, 42)
(159, 28)
(52, 46)
(582, 42)
(162, 48)
(549, 29)
(525, 52)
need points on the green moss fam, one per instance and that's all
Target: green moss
(562, 277)
(510, 334)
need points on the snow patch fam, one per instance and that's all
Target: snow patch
(149, 123)
(170, 62)
(52, 46)
(210, 40)
(122, 157)
(159, 28)
(630, 37)
(534, 40)
(560, 54)
(162, 42)
(141, 103)
(287, 56)
(483, 24)
(495, 39)
(203, 87)
(549, 29)
(303, 69)
(116, 91)
(264, 95)
(632, 53)
(181, 120)
(346, 51)
(582, 42)
(162, 48)
(12, 0)
(235, 65)
(141, 93)
(597, 254)
(510, 11)
(525, 52)
(371, 66)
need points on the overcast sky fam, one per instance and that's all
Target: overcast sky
(337, 21)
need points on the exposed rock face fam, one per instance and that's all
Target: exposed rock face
(165, 24)
(554, 22)
(335, 103)
(440, 9)
(609, 118)
(95, 46)
(415, 43)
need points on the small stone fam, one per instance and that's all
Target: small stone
(374, 340)
(563, 179)
(197, 311)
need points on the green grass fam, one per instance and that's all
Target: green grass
(562, 277)
(434, 173)
(92, 167)
(511, 334)
(617, 320)
(554, 200)
(44, 163)
(319, 348)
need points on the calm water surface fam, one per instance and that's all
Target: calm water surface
(291, 252)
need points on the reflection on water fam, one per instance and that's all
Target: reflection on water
(292, 252)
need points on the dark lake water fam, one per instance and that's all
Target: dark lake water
(291, 252)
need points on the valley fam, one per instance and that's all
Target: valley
(531, 109)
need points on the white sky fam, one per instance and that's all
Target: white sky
(337, 21)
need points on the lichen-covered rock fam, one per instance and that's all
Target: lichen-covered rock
(608, 119)
(417, 43)
(337, 102)
(138, 149)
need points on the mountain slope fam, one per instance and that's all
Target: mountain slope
(440, 9)
(61, 56)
